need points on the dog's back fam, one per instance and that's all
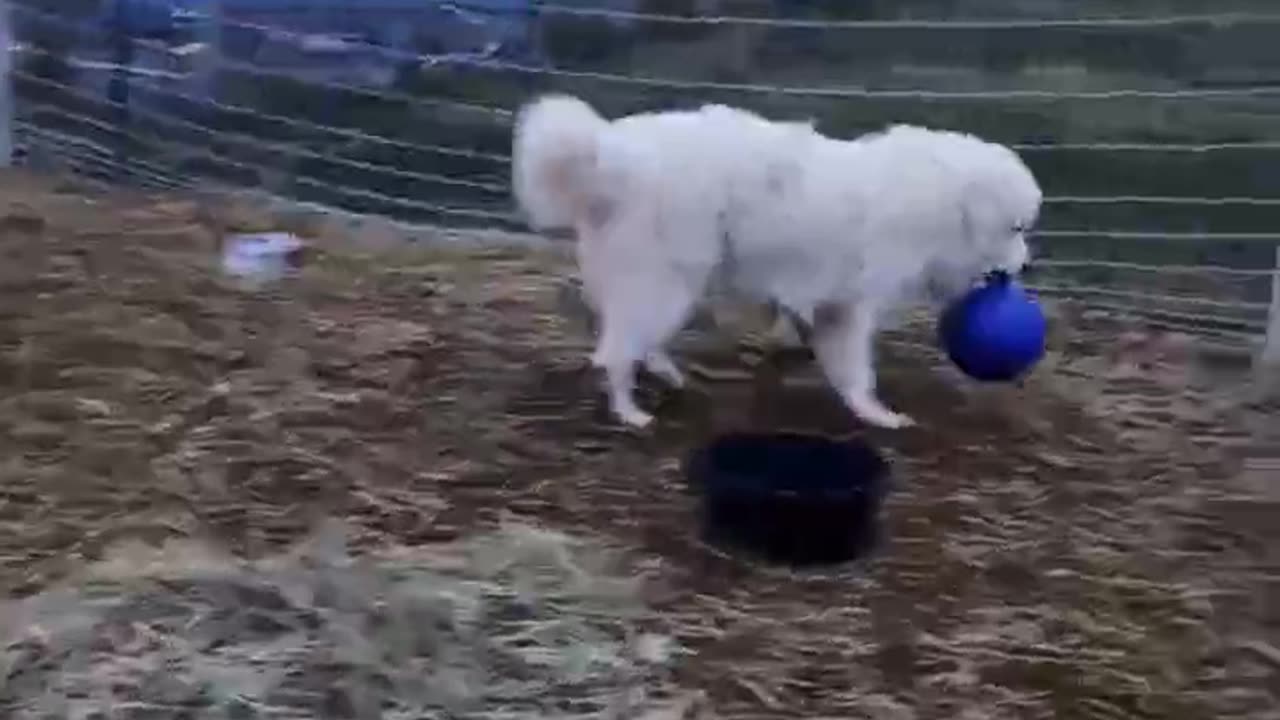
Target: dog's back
(703, 156)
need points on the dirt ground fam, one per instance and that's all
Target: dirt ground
(1085, 545)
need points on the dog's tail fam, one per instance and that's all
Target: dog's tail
(554, 160)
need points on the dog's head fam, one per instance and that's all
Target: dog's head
(996, 203)
(1000, 203)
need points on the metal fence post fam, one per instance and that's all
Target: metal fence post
(118, 86)
(1271, 347)
(209, 59)
(6, 86)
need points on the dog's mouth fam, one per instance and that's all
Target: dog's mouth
(1006, 275)
(997, 277)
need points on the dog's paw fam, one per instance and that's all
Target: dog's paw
(635, 419)
(888, 420)
(872, 412)
(898, 421)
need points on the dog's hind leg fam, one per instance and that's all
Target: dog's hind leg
(636, 326)
(619, 366)
(660, 364)
(844, 342)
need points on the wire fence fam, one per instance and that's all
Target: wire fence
(1154, 139)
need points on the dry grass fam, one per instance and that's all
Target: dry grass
(1055, 550)
(519, 624)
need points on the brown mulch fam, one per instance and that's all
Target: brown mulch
(1052, 550)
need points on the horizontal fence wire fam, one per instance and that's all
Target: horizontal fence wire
(504, 189)
(464, 61)
(78, 148)
(829, 24)
(85, 161)
(506, 114)
(1139, 295)
(297, 151)
(1157, 269)
(258, 144)
(500, 115)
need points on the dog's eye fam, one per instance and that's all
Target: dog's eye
(1019, 229)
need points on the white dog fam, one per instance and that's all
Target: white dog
(836, 233)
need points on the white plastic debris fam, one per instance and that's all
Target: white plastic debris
(260, 257)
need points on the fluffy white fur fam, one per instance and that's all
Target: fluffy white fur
(837, 233)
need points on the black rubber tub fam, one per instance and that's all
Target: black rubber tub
(802, 500)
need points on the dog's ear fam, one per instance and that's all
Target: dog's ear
(993, 234)
(965, 202)
(980, 215)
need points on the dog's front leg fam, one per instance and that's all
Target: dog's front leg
(616, 355)
(844, 341)
(620, 382)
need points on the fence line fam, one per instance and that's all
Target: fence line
(817, 92)
(1270, 357)
(505, 115)
(1157, 269)
(7, 97)
(1215, 19)
(1197, 321)
(1149, 296)
(96, 166)
(288, 148)
(266, 145)
(1159, 200)
(345, 133)
(352, 134)
(225, 148)
(502, 189)
(91, 149)
(1268, 237)
(249, 68)
(179, 150)
(456, 60)
(1123, 147)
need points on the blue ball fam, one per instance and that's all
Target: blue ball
(995, 332)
